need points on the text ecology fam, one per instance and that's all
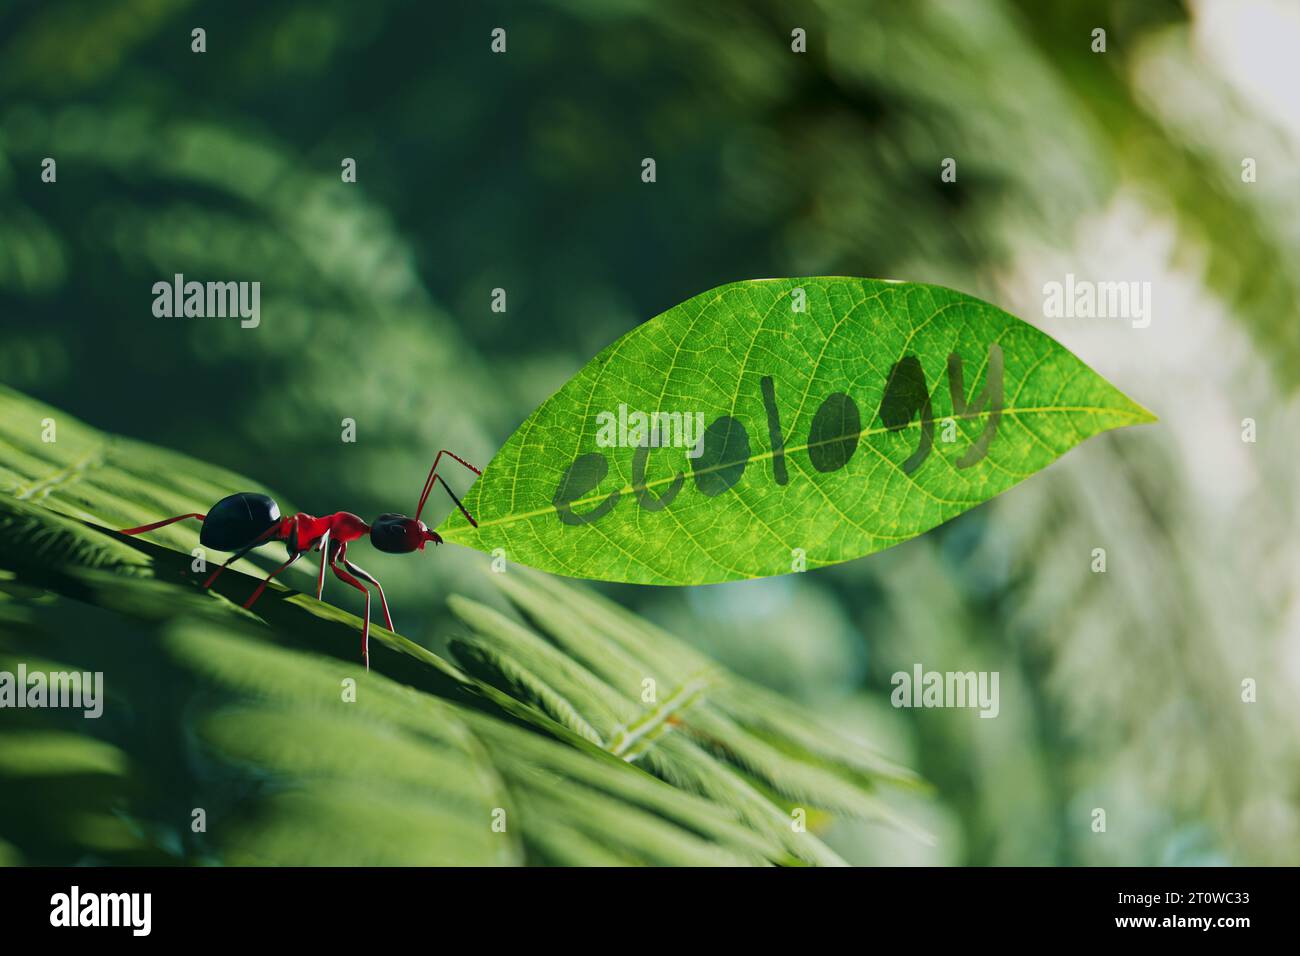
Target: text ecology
(836, 428)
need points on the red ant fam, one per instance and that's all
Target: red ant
(248, 520)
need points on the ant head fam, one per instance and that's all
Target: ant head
(398, 534)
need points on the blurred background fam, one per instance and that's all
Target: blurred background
(522, 171)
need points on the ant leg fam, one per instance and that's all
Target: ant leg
(365, 621)
(324, 548)
(383, 601)
(468, 517)
(255, 543)
(262, 587)
(161, 524)
(228, 562)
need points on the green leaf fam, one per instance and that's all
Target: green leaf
(647, 697)
(293, 771)
(877, 412)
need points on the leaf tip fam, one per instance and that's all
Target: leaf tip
(1144, 415)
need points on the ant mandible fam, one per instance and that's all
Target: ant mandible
(248, 520)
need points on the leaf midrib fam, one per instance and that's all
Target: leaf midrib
(1138, 417)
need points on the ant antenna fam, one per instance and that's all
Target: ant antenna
(433, 475)
(469, 517)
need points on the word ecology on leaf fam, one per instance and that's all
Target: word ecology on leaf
(843, 416)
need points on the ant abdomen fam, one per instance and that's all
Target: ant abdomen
(237, 520)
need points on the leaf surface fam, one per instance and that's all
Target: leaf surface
(789, 424)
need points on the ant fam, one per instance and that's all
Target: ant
(248, 520)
